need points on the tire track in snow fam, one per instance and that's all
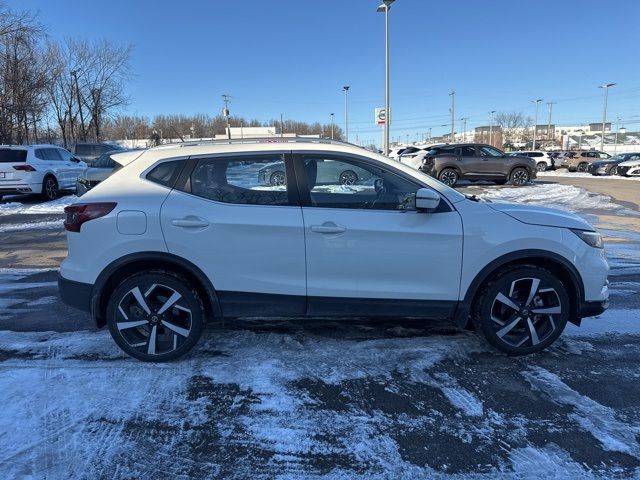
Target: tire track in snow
(591, 416)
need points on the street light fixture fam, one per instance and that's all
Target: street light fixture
(384, 8)
(345, 89)
(332, 125)
(604, 112)
(492, 112)
(535, 122)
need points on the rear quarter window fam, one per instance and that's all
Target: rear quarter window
(10, 155)
(166, 173)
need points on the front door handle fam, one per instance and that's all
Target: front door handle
(327, 227)
(190, 222)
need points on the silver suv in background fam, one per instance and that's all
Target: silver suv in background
(469, 161)
(37, 169)
(89, 152)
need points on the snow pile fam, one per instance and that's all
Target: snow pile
(565, 173)
(47, 225)
(54, 207)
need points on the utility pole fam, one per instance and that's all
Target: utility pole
(550, 104)
(491, 120)
(332, 126)
(345, 89)
(535, 121)
(464, 128)
(281, 126)
(453, 113)
(225, 113)
(430, 134)
(386, 5)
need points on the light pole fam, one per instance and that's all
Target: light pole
(332, 125)
(550, 104)
(491, 120)
(453, 112)
(384, 8)
(604, 111)
(464, 128)
(345, 89)
(620, 130)
(225, 113)
(535, 122)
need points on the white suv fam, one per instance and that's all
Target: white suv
(543, 160)
(188, 233)
(37, 169)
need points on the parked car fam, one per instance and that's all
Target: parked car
(629, 168)
(408, 153)
(98, 171)
(562, 158)
(37, 169)
(580, 161)
(329, 172)
(610, 165)
(396, 152)
(469, 161)
(89, 152)
(544, 161)
(188, 235)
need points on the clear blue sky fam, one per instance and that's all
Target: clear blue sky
(293, 56)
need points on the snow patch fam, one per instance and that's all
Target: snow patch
(53, 207)
(15, 227)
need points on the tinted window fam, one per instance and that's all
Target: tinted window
(442, 151)
(535, 154)
(8, 155)
(50, 154)
(65, 155)
(166, 173)
(341, 182)
(465, 151)
(83, 149)
(251, 180)
(104, 161)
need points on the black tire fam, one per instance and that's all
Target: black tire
(582, 167)
(348, 177)
(146, 335)
(50, 188)
(541, 166)
(519, 177)
(613, 170)
(504, 327)
(278, 178)
(449, 177)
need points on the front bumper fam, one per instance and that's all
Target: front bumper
(628, 171)
(591, 309)
(75, 294)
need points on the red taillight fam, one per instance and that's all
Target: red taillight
(83, 212)
(24, 168)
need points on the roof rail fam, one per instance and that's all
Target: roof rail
(250, 141)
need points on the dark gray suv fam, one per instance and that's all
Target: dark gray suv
(472, 161)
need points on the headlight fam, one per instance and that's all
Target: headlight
(593, 239)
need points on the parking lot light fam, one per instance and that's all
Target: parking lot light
(604, 111)
(384, 8)
(535, 122)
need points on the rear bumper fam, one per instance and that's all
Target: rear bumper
(75, 294)
(20, 189)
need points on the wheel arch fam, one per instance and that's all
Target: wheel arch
(519, 165)
(449, 166)
(112, 275)
(553, 262)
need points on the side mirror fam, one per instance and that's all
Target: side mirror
(427, 200)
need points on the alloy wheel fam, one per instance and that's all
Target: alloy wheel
(348, 178)
(277, 179)
(51, 188)
(582, 167)
(520, 177)
(542, 166)
(155, 321)
(449, 178)
(527, 313)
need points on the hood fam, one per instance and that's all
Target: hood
(630, 163)
(535, 215)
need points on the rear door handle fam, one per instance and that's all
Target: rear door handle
(189, 222)
(327, 227)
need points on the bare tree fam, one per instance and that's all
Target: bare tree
(514, 126)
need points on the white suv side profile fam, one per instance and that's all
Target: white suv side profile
(188, 233)
(37, 169)
(543, 161)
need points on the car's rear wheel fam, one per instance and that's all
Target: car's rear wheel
(348, 178)
(519, 177)
(541, 166)
(155, 316)
(522, 310)
(613, 171)
(277, 178)
(583, 167)
(50, 188)
(449, 177)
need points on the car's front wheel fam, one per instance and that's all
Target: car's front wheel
(522, 310)
(155, 316)
(541, 166)
(278, 179)
(348, 178)
(583, 167)
(449, 177)
(50, 188)
(519, 177)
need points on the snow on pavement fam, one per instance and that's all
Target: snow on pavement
(53, 207)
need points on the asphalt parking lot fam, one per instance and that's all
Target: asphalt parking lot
(357, 399)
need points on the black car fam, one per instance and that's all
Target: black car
(609, 166)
